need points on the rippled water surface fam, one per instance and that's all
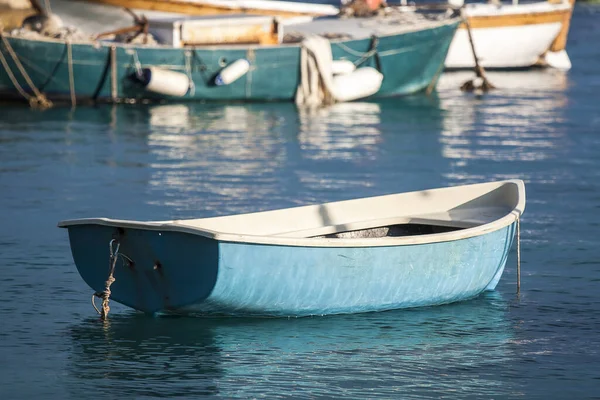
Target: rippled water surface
(191, 160)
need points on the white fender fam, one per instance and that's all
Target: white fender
(558, 60)
(342, 67)
(361, 83)
(232, 72)
(456, 3)
(166, 82)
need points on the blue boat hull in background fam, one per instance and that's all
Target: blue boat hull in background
(410, 62)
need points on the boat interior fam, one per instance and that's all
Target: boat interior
(406, 214)
(397, 230)
(411, 214)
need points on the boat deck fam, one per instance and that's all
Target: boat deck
(360, 28)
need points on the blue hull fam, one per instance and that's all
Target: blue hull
(410, 62)
(182, 272)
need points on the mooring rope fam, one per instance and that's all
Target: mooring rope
(470, 86)
(113, 74)
(188, 72)
(519, 254)
(71, 76)
(39, 100)
(114, 255)
(363, 56)
(13, 78)
(251, 57)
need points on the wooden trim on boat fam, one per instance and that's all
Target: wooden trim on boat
(560, 43)
(11, 18)
(501, 21)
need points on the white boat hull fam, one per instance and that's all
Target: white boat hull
(513, 36)
(503, 47)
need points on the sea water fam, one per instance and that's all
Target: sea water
(192, 160)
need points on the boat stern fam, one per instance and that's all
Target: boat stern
(155, 270)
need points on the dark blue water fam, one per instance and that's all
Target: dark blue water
(183, 161)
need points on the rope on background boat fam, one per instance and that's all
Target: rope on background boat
(471, 85)
(71, 76)
(37, 101)
(138, 66)
(374, 44)
(114, 255)
(13, 78)
(435, 79)
(363, 56)
(188, 72)
(251, 57)
(113, 73)
(518, 254)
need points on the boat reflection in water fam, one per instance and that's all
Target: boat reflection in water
(523, 119)
(468, 344)
(204, 155)
(251, 154)
(254, 157)
(338, 131)
(275, 149)
(370, 148)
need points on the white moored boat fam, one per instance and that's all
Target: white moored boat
(513, 35)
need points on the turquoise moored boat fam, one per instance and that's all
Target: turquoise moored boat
(410, 61)
(395, 251)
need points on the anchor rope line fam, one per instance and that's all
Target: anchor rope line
(519, 254)
(125, 258)
(105, 295)
(39, 100)
(486, 85)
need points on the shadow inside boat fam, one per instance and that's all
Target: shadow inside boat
(192, 356)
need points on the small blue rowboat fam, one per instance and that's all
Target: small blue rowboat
(395, 251)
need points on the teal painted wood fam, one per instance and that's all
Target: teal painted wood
(175, 271)
(410, 62)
